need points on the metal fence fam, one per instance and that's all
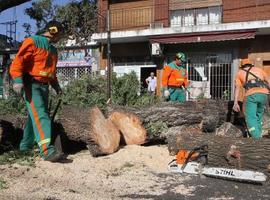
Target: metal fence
(67, 74)
(210, 80)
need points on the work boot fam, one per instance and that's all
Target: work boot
(56, 157)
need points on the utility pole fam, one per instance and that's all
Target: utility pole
(109, 67)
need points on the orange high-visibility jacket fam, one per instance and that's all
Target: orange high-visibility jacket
(36, 57)
(174, 76)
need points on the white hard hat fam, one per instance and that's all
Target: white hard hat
(166, 94)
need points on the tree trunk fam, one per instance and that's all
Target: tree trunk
(130, 126)
(243, 153)
(208, 115)
(89, 126)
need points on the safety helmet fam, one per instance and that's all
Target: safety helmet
(181, 56)
(54, 27)
(245, 62)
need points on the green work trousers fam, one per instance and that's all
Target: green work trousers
(38, 126)
(254, 109)
(177, 95)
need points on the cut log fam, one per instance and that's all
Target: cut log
(11, 131)
(130, 126)
(208, 114)
(243, 153)
(90, 127)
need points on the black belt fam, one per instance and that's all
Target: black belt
(38, 82)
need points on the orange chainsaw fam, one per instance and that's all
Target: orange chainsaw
(195, 161)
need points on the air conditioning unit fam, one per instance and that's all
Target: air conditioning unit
(155, 25)
(156, 50)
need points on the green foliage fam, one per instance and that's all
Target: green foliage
(13, 105)
(3, 184)
(125, 89)
(147, 100)
(92, 91)
(42, 11)
(21, 158)
(79, 16)
(156, 128)
(86, 92)
(201, 96)
(226, 95)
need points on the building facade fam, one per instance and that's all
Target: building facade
(215, 35)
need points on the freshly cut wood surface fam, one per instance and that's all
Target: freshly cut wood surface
(90, 127)
(130, 126)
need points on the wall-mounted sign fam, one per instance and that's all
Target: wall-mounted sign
(75, 58)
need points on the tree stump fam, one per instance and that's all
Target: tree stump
(130, 126)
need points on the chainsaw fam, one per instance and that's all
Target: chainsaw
(195, 161)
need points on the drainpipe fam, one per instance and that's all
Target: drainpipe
(109, 68)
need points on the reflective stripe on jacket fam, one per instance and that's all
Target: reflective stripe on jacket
(174, 76)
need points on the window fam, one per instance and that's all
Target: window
(188, 18)
(214, 15)
(199, 16)
(176, 17)
(202, 16)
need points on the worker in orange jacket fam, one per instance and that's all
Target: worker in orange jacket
(32, 71)
(175, 80)
(256, 84)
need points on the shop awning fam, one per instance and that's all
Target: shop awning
(204, 37)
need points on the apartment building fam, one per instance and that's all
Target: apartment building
(215, 35)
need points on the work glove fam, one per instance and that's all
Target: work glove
(166, 93)
(18, 87)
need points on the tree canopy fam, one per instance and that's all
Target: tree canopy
(80, 17)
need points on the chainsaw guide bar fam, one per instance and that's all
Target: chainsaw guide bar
(218, 172)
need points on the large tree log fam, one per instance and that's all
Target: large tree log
(209, 114)
(130, 126)
(177, 114)
(90, 127)
(244, 153)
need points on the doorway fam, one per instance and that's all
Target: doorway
(145, 73)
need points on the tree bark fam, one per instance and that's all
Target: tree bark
(232, 152)
(208, 115)
(6, 4)
(89, 126)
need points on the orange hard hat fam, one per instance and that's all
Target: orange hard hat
(245, 61)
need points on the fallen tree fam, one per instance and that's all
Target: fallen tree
(234, 152)
(88, 126)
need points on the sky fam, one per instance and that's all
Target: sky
(17, 13)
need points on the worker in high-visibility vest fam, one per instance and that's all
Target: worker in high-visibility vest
(256, 84)
(32, 71)
(175, 80)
